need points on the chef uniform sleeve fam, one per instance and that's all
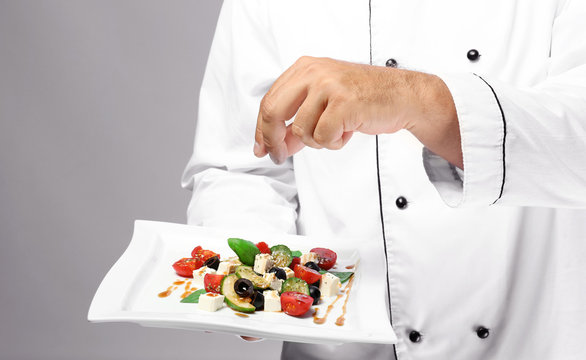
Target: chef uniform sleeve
(231, 187)
(522, 146)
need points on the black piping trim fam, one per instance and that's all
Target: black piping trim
(380, 195)
(504, 135)
(382, 221)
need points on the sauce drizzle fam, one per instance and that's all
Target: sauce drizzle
(340, 320)
(166, 292)
(188, 290)
(241, 314)
(323, 319)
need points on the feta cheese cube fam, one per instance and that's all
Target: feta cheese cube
(329, 285)
(310, 256)
(290, 273)
(199, 274)
(210, 302)
(227, 267)
(272, 300)
(275, 283)
(262, 263)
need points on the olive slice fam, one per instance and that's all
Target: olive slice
(213, 262)
(312, 265)
(258, 300)
(279, 273)
(315, 294)
(244, 288)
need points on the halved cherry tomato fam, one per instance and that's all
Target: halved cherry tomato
(263, 247)
(196, 250)
(326, 257)
(212, 282)
(199, 252)
(309, 275)
(295, 303)
(296, 261)
(184, 267)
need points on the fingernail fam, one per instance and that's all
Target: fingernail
(256, 149)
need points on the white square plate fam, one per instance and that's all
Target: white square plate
(129, 292)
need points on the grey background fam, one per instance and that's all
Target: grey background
(98, 101)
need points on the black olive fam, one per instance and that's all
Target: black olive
(312, 265)
(279, 273)
(213, 262)
(315, 294)
(258, 300)
(316, 284)
(244, 287)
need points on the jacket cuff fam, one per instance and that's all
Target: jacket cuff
(483, 133)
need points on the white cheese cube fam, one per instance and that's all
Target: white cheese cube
(272, 300)
(262, 263)
(275, 283)
(211, 302)
(310, 256)
(199, 274)
(329, 285)
(227, 267)
(290, 273)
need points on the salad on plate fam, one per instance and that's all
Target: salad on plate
(262, 278)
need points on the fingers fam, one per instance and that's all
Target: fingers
(318, 128)
(317, 123)
(276, 108)
(307, 118)
(330, 131)
(294, 144)
(279, 104)
(251, 339)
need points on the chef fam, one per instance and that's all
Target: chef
(452, 134)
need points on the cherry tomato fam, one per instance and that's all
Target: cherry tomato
(212, 282)
(203, 254)
(326, 257)
(196, 250)
(263, 247)
(296, 261)
(184, 267)
(309, 275)
(295, 303)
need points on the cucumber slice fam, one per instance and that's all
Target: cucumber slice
(246, 250)
(295, 284)
(232, 299)
(282, 255)
(246, 272)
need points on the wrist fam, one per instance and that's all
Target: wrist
(435, 120)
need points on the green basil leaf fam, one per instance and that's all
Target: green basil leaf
(296, 253)
(193, 297)
(246, 250)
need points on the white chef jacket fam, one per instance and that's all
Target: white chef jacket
(500, 246)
